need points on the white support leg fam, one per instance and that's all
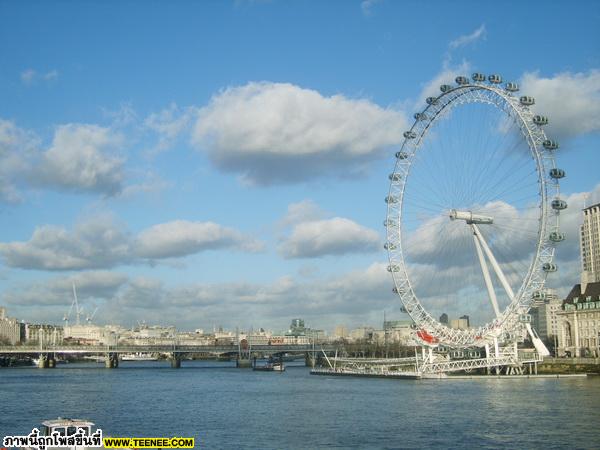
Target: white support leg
(497, 352)
(486, 273)
(495, 265)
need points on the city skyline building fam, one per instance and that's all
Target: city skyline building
(589, 238)
(579, 315)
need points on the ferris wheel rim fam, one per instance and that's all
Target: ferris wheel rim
(534, 280)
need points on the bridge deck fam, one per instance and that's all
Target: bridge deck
(214, 349)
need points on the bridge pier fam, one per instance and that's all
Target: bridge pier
(43, 362)
(51, 363)
(112, 361)
(243, 363)
(175, 361)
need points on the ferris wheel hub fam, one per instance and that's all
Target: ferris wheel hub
(470, 218)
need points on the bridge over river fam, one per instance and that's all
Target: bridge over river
(47, 354)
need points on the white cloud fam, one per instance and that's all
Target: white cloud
(16, 148)
(446, 76)
(274, 133)
(352, 298)
(570, 100)
(367, 6)
(302, 211)
(467, 39)
(30, 76)
(313, 235)
(58, 291)
(27, 76)
(181, 237)
(335, 236)
(169, 124)
(94, 244)
(102, 243)
(82, 158)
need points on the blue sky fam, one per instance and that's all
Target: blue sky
(205, 163)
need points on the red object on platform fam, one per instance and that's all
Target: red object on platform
(427, 337)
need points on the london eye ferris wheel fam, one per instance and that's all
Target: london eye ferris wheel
(473, 212)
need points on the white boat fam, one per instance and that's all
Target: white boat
(271, 367)
(138, 357)
(62, 433)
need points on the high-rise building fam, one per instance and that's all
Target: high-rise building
(544, 318)
(579, 316)
(340, 332)
(466, 319)
(10, 329)
(590, 245)
(444, 319)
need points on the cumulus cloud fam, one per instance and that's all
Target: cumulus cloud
(570, 100)
(80, 159)
(311, 232)
(335, 236)
(303, 211)
(102, 243)
(275, 133)
(93, 244)
(467, 39)
(16, 148)
(181, 237)
(91, 285)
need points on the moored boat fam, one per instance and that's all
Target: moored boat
(271, 367)
(138, 357)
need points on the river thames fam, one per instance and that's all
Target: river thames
(224, 407)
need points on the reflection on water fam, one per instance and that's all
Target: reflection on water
(224, 407)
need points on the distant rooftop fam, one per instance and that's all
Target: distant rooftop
(591, 206)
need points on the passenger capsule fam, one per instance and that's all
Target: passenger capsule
(401, 155)
(395, 290)
(558, 204)
(479, 77)
(389, 223)
(540, 120)
(445, 88)
(495, 78)
(527, 101)
(420, 116)
(550, 145)
(391, 199)
(557, 173)
(410, 134)
(538, 295)
(511, 87)
(462, 80)
(431, 100)
(549, 267)
(403, 309)
(395, 177)
(525, 318)
(556, 236)
(393, 268)
(389, 246)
